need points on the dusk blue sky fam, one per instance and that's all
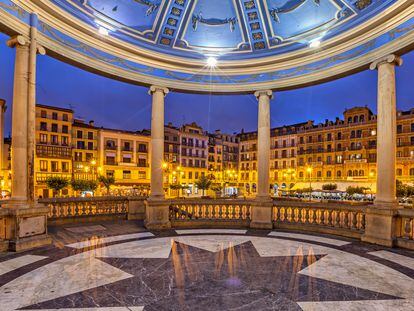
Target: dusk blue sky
(119, 105)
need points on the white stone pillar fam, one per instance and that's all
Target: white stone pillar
(34, 49)
(381, 219)
(3, 109)
(386, 130)
(263, 143)
(261, 209)
(157, 141)
(19, 161)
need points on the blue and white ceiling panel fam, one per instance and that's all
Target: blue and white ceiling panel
(209, 29)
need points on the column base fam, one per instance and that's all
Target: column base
(157, 214)
(25, 225)
(261, 213)
(136, 209)
(381, 224)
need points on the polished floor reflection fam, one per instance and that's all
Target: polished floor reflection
(123, 267)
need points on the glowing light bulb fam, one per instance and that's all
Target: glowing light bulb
(211, 61)
(315, 43)
(103, 31)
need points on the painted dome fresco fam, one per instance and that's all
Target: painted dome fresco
(229, 29)
(222, 46)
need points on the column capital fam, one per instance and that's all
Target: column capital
(388, 59)
(268, 93)
(156, 88)
(18, 40)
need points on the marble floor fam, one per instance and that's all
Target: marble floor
(121, 266)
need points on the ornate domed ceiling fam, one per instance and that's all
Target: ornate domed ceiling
(227, 29)
(252, 44)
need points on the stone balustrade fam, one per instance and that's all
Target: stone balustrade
(332, 218)
(210, 213)
(405, 228)
(63, 210)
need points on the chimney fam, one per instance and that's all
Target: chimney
(92, 123)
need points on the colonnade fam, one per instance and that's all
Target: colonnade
(157, 215)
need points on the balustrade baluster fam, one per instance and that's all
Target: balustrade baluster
(330, 218)
(285, 214)
(354, 220)
(407, 228)
(362, 222)
(338, 219)
(314, 216)
(322, 218)
(299, 215)
(346, 219)
(307, 216)
(227, 207)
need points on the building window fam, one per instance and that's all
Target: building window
(43, 138)
(361, 173)
(399, 128)
(54, 166)
(64, 140)
(65, 129)
(110, 174)
(65, 117)
(43, 126)
(43, 114)
(126, 159)
(78, 156)
(80, 144)
(54, 128)
(54, 139)
(411, 171)
(142, 148)
(329, 174)
(79, 134)
(399, 172)
(110, 160)
(43, 165)
(319, 174)
(90, 135)
(54, 115)
(142, 175)
(338, 174)
(65, 167)
(126, 174)
(90, 145)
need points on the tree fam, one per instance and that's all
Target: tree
(178, 187)
(404, 190)
(203, 183)
(356, 190)
(329, 187)
(84, 185)
(57, 183)
(107, 182)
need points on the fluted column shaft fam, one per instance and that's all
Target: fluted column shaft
(386, 130)
(157, 141)
(263, 143)
(19, 159)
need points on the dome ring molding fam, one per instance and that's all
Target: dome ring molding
(70, 40)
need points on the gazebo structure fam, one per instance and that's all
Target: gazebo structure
(206, 46)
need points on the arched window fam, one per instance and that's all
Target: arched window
(399, 172)
(350, 120)
(338, 147)
(361, 118)
(411, 171)
(339, 135)
(361, 173)
(319, 174)
(355, 172)
(329, 174)
(276, 175)
(349, 173)
(352, 134)
(356, 119)
(338, 174)
(352, 146)
(301, 174)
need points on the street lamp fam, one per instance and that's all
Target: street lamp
(309, 170)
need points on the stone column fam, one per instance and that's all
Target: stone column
(157, 209)
(262, 207)
(381, 218)
(19, 160)
(157, 141)
(3, 109)
(26, 221)
(118, 151)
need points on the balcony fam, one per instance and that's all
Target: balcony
(48, 151)
(41, 177)
(352, 161)
(108, 147)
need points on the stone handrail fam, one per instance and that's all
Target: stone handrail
(213, 210)
(61, 208)
(405, 228)
(332, 218)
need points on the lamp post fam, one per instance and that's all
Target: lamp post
(309, 170)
